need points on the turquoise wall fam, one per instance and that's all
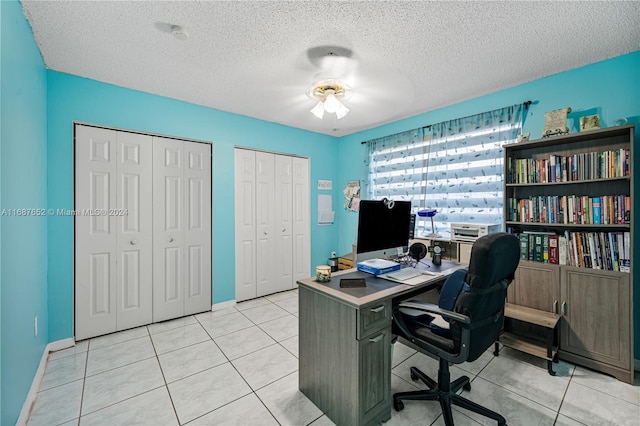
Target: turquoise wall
(610, 88)
(23, 182)
(72, 98)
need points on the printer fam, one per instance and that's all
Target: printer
(470, 232)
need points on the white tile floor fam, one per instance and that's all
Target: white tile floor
(239, 366)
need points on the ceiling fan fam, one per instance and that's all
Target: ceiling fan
(327, 87)
(345, 82)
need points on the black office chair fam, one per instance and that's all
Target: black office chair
(467, 321)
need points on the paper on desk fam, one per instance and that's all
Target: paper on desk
(325, 211)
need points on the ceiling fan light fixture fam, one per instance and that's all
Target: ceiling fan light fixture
(331, 103)
(341, 111)
(329, 93)
(318, 110)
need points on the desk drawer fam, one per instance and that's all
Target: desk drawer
(373, 318)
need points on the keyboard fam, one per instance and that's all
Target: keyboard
(404, 274)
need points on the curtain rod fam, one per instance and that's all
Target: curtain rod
(525, 104)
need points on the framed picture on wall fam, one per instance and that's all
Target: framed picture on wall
(589, 122)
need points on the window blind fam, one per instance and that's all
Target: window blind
(455, 167)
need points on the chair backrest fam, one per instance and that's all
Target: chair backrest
(494, 259)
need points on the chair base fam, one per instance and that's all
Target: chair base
(446, 392)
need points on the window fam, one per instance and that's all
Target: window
(455, 167)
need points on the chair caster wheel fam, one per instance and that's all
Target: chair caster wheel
(467, 387)
(414, 376)
(398, 405)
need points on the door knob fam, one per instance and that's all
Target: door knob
(265, 232)
(284, 229)
(133, 242)
(170, 239)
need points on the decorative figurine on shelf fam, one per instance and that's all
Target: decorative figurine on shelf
(430, 213)
(556, 122)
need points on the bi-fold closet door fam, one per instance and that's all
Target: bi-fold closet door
(181, 228)
(142, 229)
(272, 222)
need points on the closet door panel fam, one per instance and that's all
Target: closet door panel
(197, 227)
(283, 264)
(168, 229)
(245, 223)
(265, 209)
(301, 219)
(135, 242)
(95, 232)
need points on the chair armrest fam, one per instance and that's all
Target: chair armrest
(405, 332)
(434, 309)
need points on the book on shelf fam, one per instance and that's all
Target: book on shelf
(537, 248)
(626, 259)
(554, 253)
(607, 251)
(595, 206)
(571, 209)
(524, 246)
(575, 167)
(545, 248)
(562, 250)
(627, 209)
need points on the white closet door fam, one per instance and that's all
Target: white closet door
(134, 238)
(301, 219)
(197, 234)
(168, 229)
(245, 223)
(283, 249)
(95, 245)
(265, 225)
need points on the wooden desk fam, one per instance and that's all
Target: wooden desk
(345, 343)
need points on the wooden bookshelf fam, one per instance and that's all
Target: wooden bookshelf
(591, 287)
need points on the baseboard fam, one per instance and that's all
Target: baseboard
(59, 345)
(223, 305)
(37, 379)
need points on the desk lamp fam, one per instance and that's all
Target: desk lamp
(430, 213)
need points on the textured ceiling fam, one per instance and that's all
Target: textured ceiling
(251, 58)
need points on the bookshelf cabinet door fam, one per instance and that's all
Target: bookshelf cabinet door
(537, 285)
(596, 310)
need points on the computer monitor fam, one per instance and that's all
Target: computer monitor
(381, 229)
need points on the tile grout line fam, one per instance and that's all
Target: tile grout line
(234, 368)
(254, 392)
(84, 381)
(166, 385)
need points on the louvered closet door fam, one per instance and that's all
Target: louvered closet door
(283, 249)
(245, 223)
(134, 238)
(197, 235)
(95, 235)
